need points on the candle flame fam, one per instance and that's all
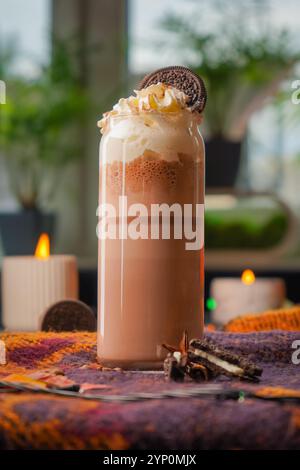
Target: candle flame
(248, 277)
(42, 250)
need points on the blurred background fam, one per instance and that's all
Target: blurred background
(65, 62)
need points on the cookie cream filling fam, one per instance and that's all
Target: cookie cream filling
(232, 368)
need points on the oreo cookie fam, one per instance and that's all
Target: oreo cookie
(69, 315)
(184, 80)
(172, 369)
(221, 361)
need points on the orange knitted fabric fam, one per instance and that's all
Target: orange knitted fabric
(282, 319)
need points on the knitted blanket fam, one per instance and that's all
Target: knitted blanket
(42, 421)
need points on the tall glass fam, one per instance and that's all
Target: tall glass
(150, 280)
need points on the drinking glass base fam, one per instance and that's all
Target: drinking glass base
(131, 364)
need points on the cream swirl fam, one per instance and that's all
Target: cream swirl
(155, 98)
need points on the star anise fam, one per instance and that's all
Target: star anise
(177, 364)
(182, 347)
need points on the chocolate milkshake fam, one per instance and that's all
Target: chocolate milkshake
(150, 207)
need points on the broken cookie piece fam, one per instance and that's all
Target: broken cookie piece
(173, 369)
(221, 361)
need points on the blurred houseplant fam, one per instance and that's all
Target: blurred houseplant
(37, 128)
(243, 61)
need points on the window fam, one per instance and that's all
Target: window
(30, 39)
(273, 142)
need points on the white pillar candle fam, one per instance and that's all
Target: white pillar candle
(237, 296)
(2, 353)
(30, 284)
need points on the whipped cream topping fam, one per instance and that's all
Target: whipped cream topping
(155, 98)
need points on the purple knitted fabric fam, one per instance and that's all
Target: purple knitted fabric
(189, 423)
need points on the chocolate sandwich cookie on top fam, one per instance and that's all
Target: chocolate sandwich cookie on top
(221, 361)
(184, 80)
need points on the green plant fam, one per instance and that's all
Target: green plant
(258, 231)
(242, 60)
(38, 125)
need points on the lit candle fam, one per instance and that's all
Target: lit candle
(30, 284)
(232, 297)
